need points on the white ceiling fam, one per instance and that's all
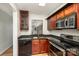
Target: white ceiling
(36, 9)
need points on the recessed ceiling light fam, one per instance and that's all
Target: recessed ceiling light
(41, 4)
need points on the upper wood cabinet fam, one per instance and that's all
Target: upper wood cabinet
(23, 20)
(65, 11)
(70, 9)
(52, 23)
(60, 14)
(77, 11)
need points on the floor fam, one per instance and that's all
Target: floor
(44, 54)
(8, 52)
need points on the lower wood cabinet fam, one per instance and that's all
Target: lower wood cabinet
(39, 46)
(44, 46)
(35, 46)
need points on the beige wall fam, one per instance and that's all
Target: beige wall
(6, 31)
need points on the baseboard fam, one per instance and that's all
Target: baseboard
(5, 49)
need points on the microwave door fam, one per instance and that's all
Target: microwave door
(72, 22)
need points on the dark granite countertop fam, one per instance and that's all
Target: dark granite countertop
(42, 35)
(66, 41)
(62, 45)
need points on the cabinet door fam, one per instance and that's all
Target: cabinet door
(70, 9)
(52, 23)
(23, 20)
(77, 9)
(49, 24)
(43, 46)
(60, 14)
(35, 46)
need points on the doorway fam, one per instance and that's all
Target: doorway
(37, 27)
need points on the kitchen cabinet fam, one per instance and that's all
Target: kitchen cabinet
(44, 46)
(23, 20)
(52, 23)
(60, 14)
(39, 46)
(70, 9)
(63, 14)
(35, 46)
(77, 10)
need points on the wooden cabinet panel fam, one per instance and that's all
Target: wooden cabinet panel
(70, 9)
(44, 46)
(35, 46)
(52, 23)
(60, 14)
(23, 20)
(39, 46)
(77, 9)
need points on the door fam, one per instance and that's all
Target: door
(37, 27)
(39, 46)
(35, 46)
(43, 45)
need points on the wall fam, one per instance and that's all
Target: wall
(33, 17)
(5, 31)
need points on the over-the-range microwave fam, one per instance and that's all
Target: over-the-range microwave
(67, 22)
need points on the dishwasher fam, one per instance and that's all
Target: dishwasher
(25, 47)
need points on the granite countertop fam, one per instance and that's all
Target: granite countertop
(52, 37)
(41, 35)
(62, 44)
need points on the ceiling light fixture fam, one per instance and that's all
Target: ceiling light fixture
(42, 4)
